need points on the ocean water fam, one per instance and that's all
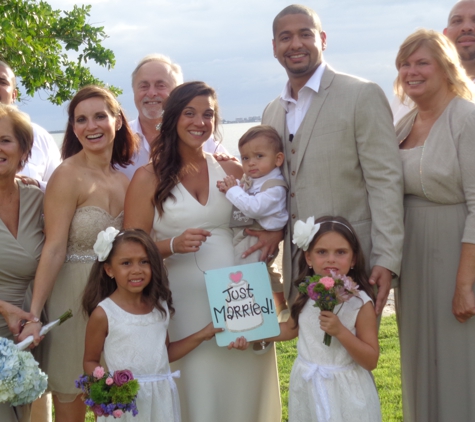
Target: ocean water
(230, 133)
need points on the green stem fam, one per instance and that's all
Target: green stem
(68, 314)
(327, 339)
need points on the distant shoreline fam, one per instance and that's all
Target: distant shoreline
(223, 123)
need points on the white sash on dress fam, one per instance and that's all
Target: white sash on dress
(317, 374)
(142, 379)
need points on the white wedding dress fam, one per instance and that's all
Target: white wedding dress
(216, 384)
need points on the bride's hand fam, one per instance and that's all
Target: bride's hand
(190, 240)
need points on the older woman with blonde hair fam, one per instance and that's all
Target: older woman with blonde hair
(21, 233)
(435, 300)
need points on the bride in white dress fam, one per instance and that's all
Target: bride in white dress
(175, 197)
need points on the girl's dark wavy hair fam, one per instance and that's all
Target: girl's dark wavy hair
(357, 273)
(126, 144)
(100, 285)
(166, 160)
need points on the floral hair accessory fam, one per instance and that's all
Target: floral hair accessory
(104, 242)
(304, 232)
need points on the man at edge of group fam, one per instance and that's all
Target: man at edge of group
(154, 77)
(45, 155)
(341, 151)
(461, 31)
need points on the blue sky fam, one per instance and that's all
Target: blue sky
(227, 44)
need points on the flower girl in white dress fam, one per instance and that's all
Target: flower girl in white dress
(129, 303)
(332, 383)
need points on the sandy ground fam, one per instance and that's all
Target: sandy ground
(389, 309)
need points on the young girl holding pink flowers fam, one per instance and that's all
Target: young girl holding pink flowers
(129, 303)
(332, 383)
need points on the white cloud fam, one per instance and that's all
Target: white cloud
(228, 43)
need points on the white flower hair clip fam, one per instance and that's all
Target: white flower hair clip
(304, 232)
(104, 241)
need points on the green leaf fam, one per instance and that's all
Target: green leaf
(35, 40)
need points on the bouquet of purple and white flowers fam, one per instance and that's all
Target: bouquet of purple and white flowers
(109, 394)
(329, 291)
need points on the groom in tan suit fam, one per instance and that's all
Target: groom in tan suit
(341, 151)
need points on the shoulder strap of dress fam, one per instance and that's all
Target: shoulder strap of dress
(272, 183)
(108, 305)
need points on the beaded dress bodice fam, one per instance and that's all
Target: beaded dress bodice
(86, 224)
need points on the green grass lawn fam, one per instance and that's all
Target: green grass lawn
(387, 375)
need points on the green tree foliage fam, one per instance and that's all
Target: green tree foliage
(35, 39)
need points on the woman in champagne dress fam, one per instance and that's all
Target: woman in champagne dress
(175, 197)
(85, 195)
(435, 300)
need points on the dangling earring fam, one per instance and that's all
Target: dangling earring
(310, 267)
(351, 268)
(159, 125)
(112, 277)
(22, 163)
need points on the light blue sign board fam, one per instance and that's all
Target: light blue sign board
(241, 302)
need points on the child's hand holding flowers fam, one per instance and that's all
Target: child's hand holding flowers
(327, 292)
(330, 323)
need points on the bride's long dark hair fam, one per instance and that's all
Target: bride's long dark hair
(166, 160)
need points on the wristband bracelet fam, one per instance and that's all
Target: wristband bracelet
(31, 322)
(171, 245)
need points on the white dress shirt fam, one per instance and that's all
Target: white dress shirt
(268, 207)
(45, 157)
(142, 157)
(297, 109)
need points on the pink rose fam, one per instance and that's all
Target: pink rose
(328, 282)
(109, 381)
(117, 413)
(98, 372)
(121, 377)
(97, 410)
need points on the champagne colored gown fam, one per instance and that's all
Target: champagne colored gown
(63, 347)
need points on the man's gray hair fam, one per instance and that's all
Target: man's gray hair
(7, 66)
(176, 69)
(295, 9)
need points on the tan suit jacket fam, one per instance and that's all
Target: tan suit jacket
(344, 161)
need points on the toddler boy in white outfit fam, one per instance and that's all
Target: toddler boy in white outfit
(260, 199)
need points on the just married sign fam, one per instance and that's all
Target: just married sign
(241, 302)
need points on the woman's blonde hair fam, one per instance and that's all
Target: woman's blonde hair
(445, 54)
(22, 129)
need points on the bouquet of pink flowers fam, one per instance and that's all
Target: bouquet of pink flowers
(109, 394)
(329, 291)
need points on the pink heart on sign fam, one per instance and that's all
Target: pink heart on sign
(236, 277)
